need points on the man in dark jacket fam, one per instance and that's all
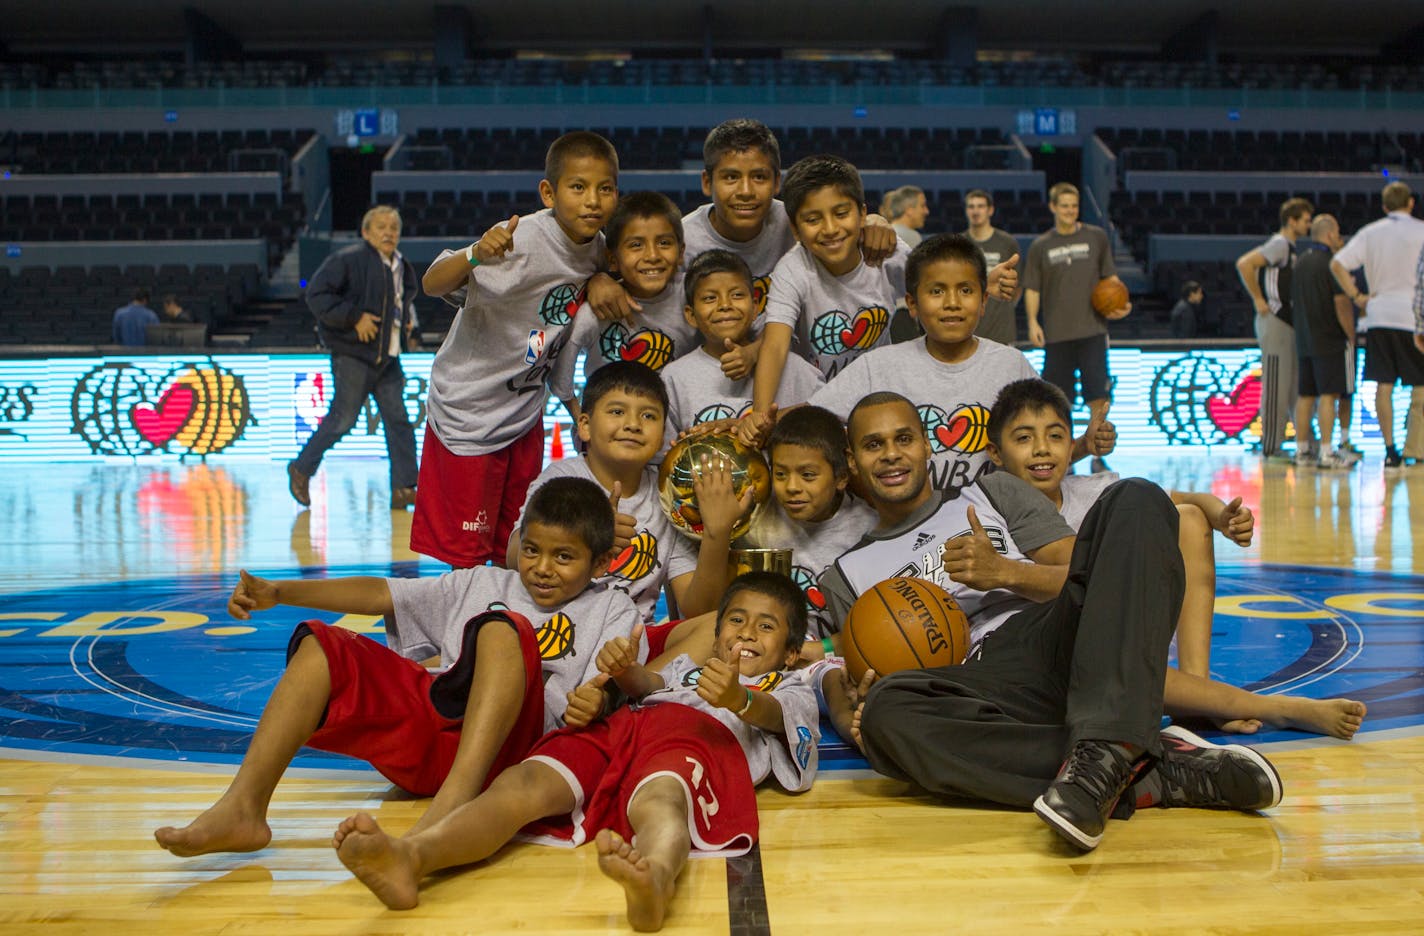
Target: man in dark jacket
(361, 297)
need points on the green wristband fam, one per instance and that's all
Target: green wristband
(828, 646)
(470, 257)
(745, 708)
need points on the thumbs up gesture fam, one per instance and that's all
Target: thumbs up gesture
(620, 652)
(971, 559)
(1236, 523)
(498, 240)
(1004, 279)
(625, 526)
(737, 360)
(251, 594)
(586, 702)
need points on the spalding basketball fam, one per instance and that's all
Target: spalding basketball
(903, 623)
(1109, 295)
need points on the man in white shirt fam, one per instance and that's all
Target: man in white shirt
(1391, 251)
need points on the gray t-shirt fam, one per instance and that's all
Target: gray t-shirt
(999, 322)
(814, 548)
(835, 319)
(489, 381)
(761, 253)
(1063, 269)
(791, 757)
(1081, 492)
(953, 399)
(908, 234)
(658, 553)
(655, 336)
(698, 391)
(430, 616)
(1017, 518)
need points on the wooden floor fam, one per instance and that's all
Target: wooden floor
(1343, 853)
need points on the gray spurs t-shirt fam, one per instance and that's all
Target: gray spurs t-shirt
(430, 614)
(1063, 269)
(489, 381)
(1017, 518)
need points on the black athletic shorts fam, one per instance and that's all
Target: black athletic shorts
(1321, 375)
(1390, 355)
(1085, 356)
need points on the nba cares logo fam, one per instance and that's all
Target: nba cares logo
(122, 408)
(965, 430)
(836, 333)
(534, 347)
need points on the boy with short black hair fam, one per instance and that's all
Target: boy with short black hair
(622, 422)
(645, 251)
(826, 303)
(720, 303)
(513, 644)
(1030, 432)
(518, 287)
(696, 735)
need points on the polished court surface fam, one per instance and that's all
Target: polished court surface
(128, 697)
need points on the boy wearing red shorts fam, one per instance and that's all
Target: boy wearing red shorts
(516, 644)
(677, 768)
(518, 289)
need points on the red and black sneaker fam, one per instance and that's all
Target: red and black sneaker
(1080, 799)
(1193, 772)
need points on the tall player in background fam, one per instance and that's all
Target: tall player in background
(1265, 272)
(1063, 266)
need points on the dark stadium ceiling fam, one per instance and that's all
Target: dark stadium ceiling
(1321, 26)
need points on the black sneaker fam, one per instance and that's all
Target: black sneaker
(401, 498)
(299, 484)
(1080, 799)
(1392, 459)
(1196, 773)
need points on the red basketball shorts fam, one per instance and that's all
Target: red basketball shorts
(381, 709)
(607, 762)
(466, 505)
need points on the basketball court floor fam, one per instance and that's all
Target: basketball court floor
(129, 696)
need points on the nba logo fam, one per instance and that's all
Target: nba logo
(535, 347)
(309, 403)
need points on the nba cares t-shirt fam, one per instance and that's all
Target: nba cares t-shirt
(658, 553)
(430, 614)
(953, 399)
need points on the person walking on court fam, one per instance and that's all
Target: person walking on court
(362, 298)
(1265, 272)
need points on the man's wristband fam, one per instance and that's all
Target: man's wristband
(470, 257)
(745, 708)
(828, 646)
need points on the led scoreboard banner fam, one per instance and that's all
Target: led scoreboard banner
(154, 408)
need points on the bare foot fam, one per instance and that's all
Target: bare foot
(386, 865)
(1339, 718)
(647, 896)
(224, 827)
(1240, 725)
(855, 727)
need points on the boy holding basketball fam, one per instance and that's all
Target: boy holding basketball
(621, 423)
(513, 644)
(518, 288)
(1059, 702)
(1029, 431)
(677, 768)
(719, 301)
(645, 251)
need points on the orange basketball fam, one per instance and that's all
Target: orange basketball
(1109, 295)
(903, 623)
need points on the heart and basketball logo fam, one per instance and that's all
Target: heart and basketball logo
(761, 288)
(1234, 411)
(121, 408)
(965, 430)
(836, 333)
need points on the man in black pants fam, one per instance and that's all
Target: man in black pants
(1060, 702)
(362, 298)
